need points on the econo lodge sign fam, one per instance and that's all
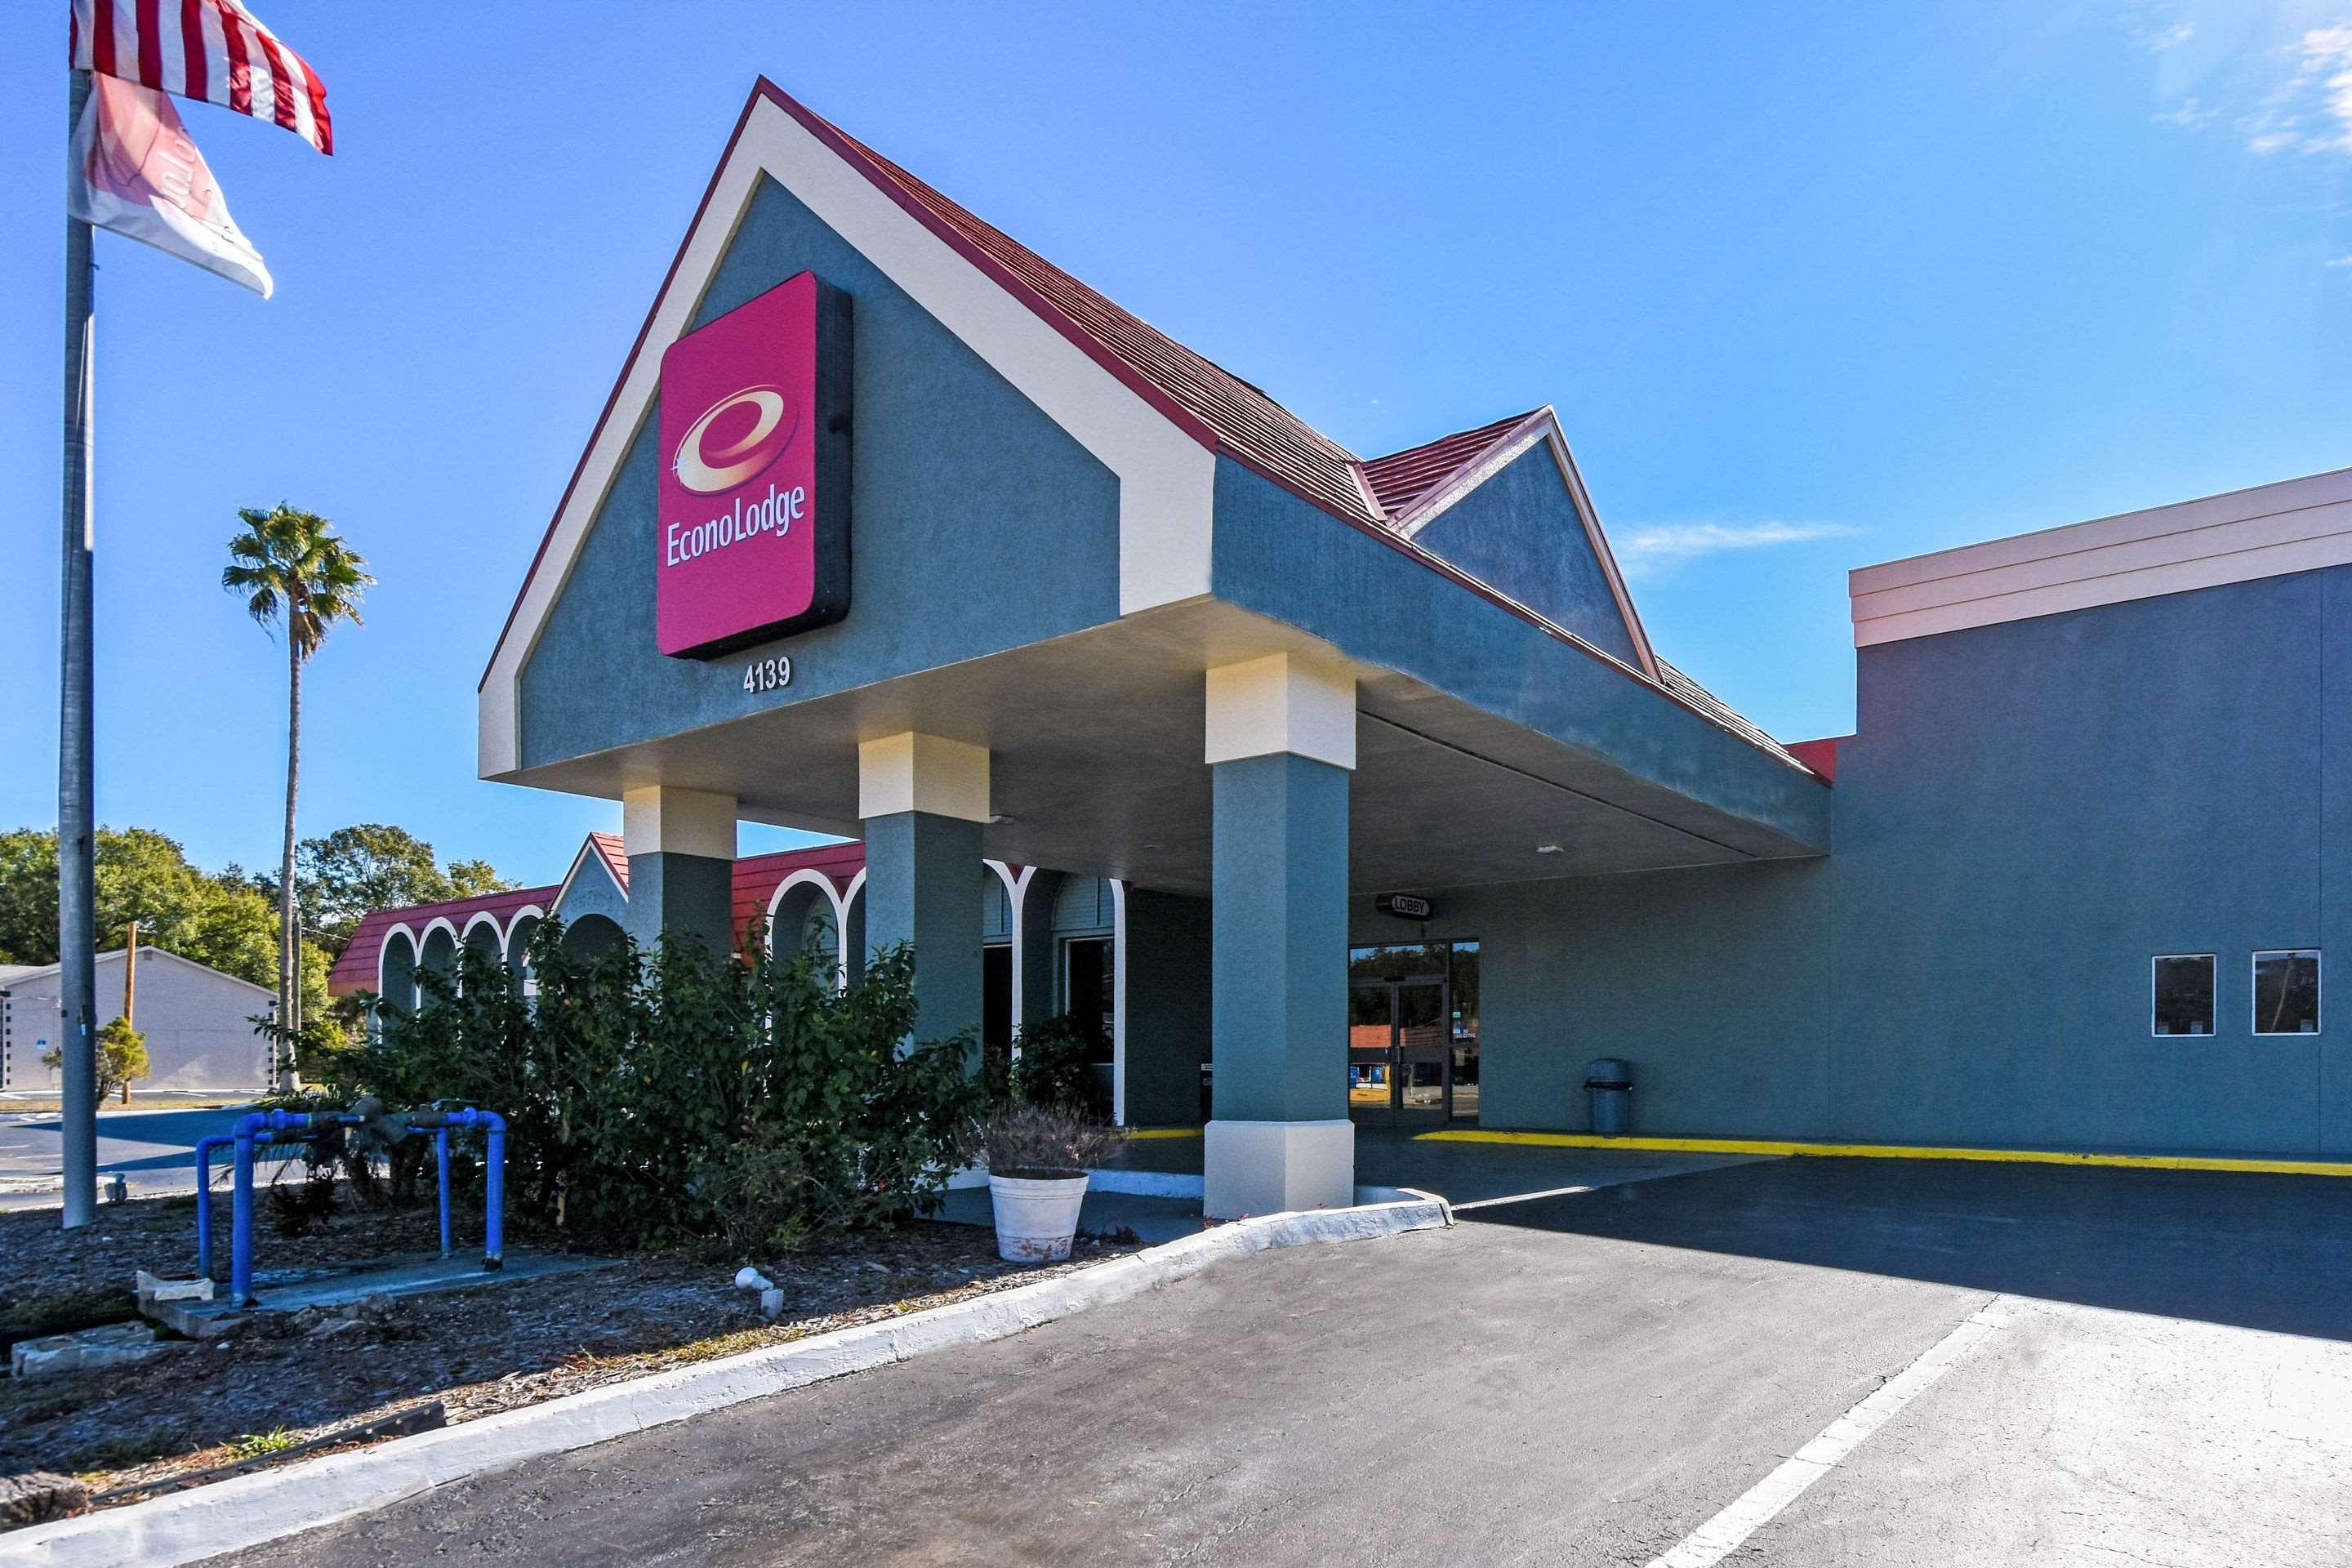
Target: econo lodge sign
(754, 535)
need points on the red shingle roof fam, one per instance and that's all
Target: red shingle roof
(1218, 407)
(609, 850)
(1401, 479)
(356, 966)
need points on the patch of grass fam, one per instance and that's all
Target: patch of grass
(254, 1445)
(155, 1441)
(60, 1311)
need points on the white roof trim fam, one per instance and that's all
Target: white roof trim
(588, 850)
(1166, 476)
(2269, 530)
(1543, 426)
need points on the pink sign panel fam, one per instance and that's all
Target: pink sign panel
(753, 537)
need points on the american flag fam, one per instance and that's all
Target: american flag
(215, 50)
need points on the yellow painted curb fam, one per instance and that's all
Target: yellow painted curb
(1164, 1132)
(1896, 1151)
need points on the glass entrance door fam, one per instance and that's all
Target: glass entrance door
(1399, 1050)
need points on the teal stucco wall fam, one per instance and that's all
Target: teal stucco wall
(1521, 532)
(2029, 813)
(978, 524)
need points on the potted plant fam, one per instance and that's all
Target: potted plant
(1037, 1158)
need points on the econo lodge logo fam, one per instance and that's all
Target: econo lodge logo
(773, 424)
(739, 459)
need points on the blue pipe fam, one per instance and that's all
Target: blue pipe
(204, 1147)
(494, 1174)
(441, 1154)
(247, 1133)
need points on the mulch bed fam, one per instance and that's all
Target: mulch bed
(476, 1352)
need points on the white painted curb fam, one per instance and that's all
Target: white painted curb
(231, 1515)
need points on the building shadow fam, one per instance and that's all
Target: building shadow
(2267, 1252)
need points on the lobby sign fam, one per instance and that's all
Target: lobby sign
(753, 535)
(1404, 906)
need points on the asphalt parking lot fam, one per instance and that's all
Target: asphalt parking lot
(2100, 1366)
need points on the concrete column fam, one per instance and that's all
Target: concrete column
(1281, 744)
(681, 848)
(923, 799)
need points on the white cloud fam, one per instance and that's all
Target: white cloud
(2189, 116)
(2341, 261)
(2310, 109)
(1655, 548)
(2172, 38)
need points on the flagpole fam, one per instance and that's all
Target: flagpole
(76, 875)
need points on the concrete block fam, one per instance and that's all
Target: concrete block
(154, 1287)
(115, 1344)
(771, 1303)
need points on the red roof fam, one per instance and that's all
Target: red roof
(1218, 407)
(1400, 481)
(356, 966)
(610, 850)
(757, 877)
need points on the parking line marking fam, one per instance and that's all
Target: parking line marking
(1757, 1506)
(1522, 1197)
(1782, 1146)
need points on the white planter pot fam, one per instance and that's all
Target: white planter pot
(1036, 1218)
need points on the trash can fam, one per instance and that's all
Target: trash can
(1609, 1084)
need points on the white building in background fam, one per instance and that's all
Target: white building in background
(198, 1023)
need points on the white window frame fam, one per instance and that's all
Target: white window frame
(2213, 962)
(2254, 997)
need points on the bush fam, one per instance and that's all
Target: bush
(676, 1097)
(122, 1057)
(1055, 1067)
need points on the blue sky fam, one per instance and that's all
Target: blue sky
(1810, 285)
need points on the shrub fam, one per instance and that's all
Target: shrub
(122, 1057)
(1055, 1067)
(1039, 1141)
(673, 1096)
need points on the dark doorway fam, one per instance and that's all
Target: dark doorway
(997, 1000)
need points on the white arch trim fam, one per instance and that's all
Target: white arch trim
(1020, 887)
(478, 917)
(416, 951)
(848, 897)
(440, 922)
(809, 876)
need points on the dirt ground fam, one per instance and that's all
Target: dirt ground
(285, 1381)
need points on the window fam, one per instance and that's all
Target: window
(2183, 986)
(2287, 991)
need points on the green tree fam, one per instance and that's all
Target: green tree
(291, 566)
(145, 876)
(122, 1057)
(375, 866)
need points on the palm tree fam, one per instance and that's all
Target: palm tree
(292, 565)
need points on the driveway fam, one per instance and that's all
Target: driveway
(155, 1150)
(2143, 1366)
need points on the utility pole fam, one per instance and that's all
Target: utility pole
(76, 846)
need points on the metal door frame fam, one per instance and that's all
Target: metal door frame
(1394, 1113)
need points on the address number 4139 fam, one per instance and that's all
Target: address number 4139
(766, 674)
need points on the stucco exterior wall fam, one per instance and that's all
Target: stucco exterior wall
(1521, 532)
(198, 1022)
(2029, 814)
(949, 464)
